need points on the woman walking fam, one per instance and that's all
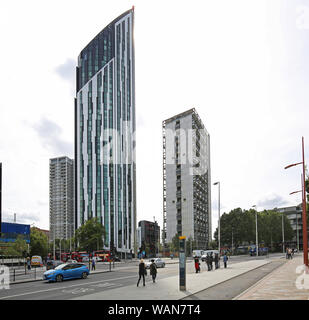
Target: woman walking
(141, 272)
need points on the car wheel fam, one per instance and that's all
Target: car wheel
(84, 275)
(59, 278)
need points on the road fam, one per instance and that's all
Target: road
(124, 275)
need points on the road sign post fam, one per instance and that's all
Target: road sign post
(182, 263)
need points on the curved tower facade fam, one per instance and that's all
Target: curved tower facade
(105, 134)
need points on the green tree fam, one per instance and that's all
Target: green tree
(20, 246)
(174, 247)
(38, 243)
(90, 235)
(190, 246)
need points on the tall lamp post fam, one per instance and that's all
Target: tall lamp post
(304, 216)
(256, 233)
(297, 233)
(219, 235)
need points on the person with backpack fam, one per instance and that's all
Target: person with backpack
(153, 271)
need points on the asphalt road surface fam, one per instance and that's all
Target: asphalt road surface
(126, 275)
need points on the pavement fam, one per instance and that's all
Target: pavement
(168, 288)
(288, 282)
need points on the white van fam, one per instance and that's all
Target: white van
(197, 253)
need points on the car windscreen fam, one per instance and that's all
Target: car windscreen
(60, 266)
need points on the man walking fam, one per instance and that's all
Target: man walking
(153, 271)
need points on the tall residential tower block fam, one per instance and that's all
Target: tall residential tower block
(186, 179)
(61, 198)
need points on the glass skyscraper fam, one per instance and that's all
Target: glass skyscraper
(105, 134)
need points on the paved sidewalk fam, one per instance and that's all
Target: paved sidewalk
(288, 282)
(168, 288)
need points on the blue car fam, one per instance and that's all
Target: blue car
(67, 271)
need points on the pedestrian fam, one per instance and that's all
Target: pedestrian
(28, 263)
(293, 252)
(290, 253)
(93, 263)
(197, 265)
(225, 258)
(211, 259)
(153, 271)
(142, 272)
(208, 261)
(216, 261)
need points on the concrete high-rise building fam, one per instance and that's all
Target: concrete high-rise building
(61, 198)
(186, 179)
(105, 134)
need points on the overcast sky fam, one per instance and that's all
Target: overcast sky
(241, 64)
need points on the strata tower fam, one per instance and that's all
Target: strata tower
(186, 180)
(105, 134)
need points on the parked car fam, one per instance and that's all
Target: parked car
(36, 261)
(52, 264)
(158, 262)
(66, 271)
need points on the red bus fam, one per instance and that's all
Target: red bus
(105, 255)
(81, 256)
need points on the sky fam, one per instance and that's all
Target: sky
(241, 64)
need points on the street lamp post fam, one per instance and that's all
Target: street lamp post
(283, 246)
(256, 233)
(219, 234)
(297, 233)
(304, 215)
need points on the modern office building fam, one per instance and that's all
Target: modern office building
(186, 179)
(61, 198)
(105, 134)
(149, 237)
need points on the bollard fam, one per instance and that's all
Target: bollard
(14, 275)
(110, 266)
(34, 273)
